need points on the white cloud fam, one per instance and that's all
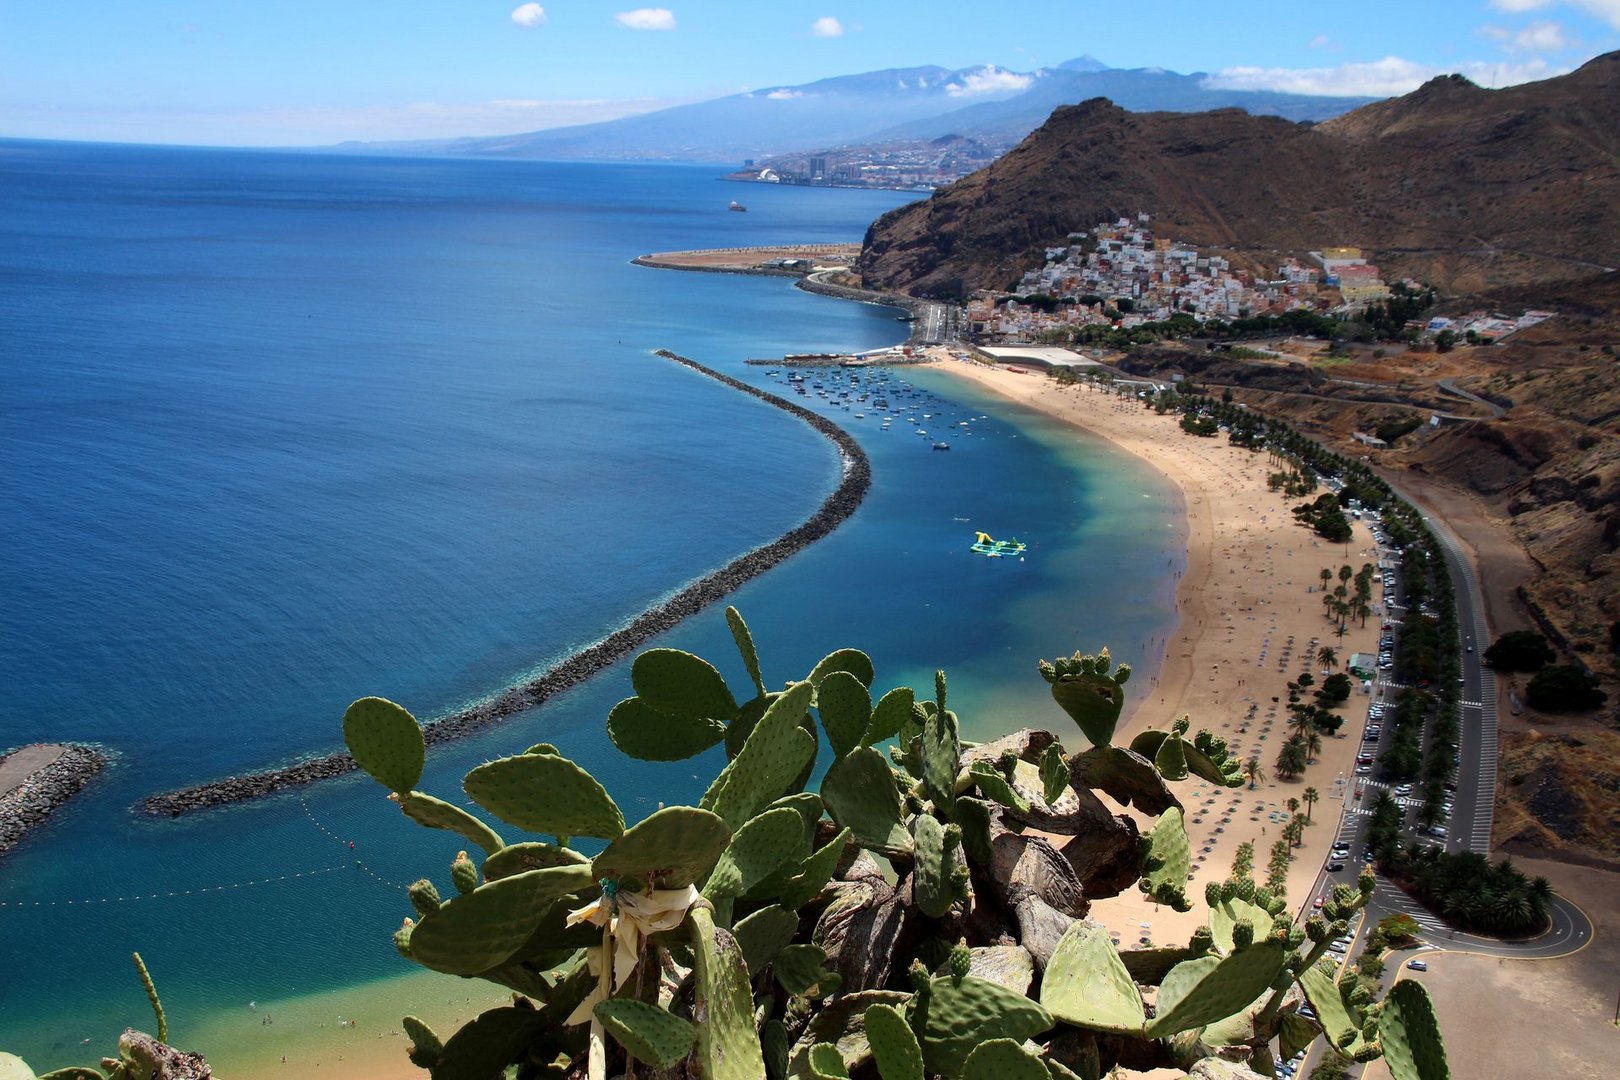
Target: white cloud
(784, 95)
(529, 16)
(647, 18)
(1320, 41)
(988, 80)
(1607, 10)
(826, 26)
(1388, 77)
(1541, 37)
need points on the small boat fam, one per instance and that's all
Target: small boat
(942, 446)
(992, 548)
(737, 206)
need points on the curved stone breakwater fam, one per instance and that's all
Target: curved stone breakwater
(60, 773)
(855, 480)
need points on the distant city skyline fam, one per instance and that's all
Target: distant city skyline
(305, 74)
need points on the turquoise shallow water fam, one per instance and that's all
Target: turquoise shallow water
(281, 431)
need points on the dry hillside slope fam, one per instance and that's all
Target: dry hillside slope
(1465, 187)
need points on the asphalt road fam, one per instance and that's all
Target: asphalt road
(1472, 813)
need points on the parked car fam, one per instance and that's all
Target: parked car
(1335, 867)
(1417, 965)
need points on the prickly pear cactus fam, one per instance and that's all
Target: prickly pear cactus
(653, 1035)
(894, 1046)
(1091, 696)
(1087, 984)
(618, 958)
(545, 793)
(1410, 1034)
(385, 741)
(1169, 861)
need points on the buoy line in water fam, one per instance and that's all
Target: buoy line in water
(178, 893)
(349, 844)
(855, 480)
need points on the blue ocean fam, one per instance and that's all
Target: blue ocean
(278, 431)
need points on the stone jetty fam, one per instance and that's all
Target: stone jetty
(35, 780)
(855, 480)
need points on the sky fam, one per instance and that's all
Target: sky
(316, 72)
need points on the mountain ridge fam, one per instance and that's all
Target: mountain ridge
(1466, 187)
(925, 102)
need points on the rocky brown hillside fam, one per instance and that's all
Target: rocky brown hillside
(1464, 187)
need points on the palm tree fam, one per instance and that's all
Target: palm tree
(1327, 656)
(1311, 797)
(1253, 770)
(1313, 746)
(1293, 806)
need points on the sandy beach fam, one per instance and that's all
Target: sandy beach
(1250, 621)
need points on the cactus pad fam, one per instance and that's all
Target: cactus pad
(892, 712)
(1342, 1028)
(826, 1063)
(1127, 778)
(1168, 862)
(845, 706)
(1208, 989)
(489, 1042)
(853, 661)
(643, 732)
(763, 844)
(1003, 1059)
(1087, 984)
(728, 1045)
(1091, 696)
(678, 683)
(1171, 760)
(475, 932)
(745, 646)
(385, 741)
(774, 754)
(1054, 774)
(802, 971)
(656, 1036)
(941, 758)
(814, 873)
(954, 1017)
(994, 786)
(893, 1044)
(516, 858)
(1410, 1034)
(426, 1046)
(438, 814)
(934, 861)
(763, 934)
(676, 846)
(861, 795)
(544, 793)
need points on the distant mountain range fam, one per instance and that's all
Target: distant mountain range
(990, 104)
(1465, 187)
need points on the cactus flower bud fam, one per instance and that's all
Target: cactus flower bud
(463, 873)
(424, 897)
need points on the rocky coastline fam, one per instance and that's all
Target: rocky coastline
(855, 480)
(36, 796)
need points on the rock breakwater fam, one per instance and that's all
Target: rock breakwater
(854, 482)
(46, 777)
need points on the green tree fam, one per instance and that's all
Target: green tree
(1564, 688)
(1520, 650)
(1311, 797)
(1253, 771)
(1327, 657)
